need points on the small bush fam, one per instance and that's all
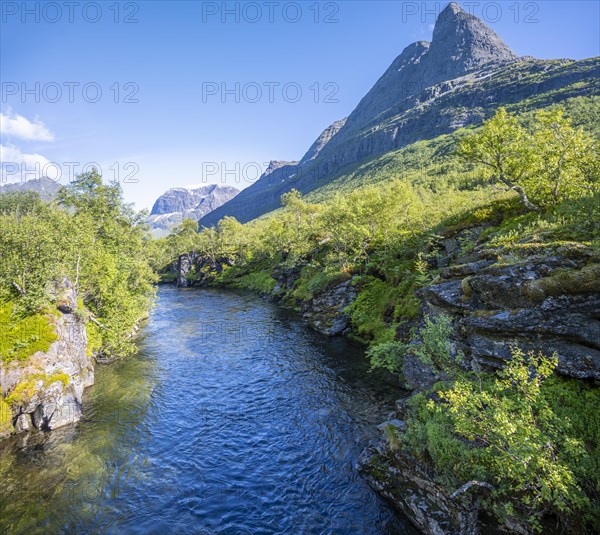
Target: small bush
(433, 346)
(388, 355)
(371, 313)
(527, 432)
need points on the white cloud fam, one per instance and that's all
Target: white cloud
(12, 124)
(16, 166)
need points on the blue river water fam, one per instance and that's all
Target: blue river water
(233, 418)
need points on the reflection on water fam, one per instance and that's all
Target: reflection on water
(234, 418)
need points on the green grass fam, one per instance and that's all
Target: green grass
(373, 313)
(22, 336)
(260, 282)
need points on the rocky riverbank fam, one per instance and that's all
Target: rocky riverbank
(45, 391)
(542, 298)
(545, 300)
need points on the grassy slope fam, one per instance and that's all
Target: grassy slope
(431, 163)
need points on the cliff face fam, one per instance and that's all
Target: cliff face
(46, 391)
(315, 149)
(432, 88)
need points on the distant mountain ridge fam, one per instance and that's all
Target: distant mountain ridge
(432, 88)
(192, 202)
(45, 187)
(168, 211)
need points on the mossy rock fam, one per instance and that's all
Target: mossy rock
(5, 417)
(566, 282)
(465, 286)
(27, 388)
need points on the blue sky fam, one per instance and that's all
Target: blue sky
(162, 118)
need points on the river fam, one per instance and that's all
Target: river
(233, 418)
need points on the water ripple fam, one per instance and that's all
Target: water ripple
(234, 418)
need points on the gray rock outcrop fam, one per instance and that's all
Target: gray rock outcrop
(325, 137)
(540, 302)
(325, 312)
(47, 389)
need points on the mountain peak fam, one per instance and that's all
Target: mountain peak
(452, 8)
(188, 198)
(462, 42)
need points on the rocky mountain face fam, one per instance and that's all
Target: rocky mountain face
(44, 186)
(177, 204)
(325, 137)
(265, 190)
(432, 88)
(461, 44)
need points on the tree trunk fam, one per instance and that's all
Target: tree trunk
(524, 199)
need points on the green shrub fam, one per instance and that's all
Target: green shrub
(260, 281)
(388, 355)
(432, 344)
(371, 313)
(531, 435)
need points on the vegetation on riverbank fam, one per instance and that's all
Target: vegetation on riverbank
(88, 235)
(533, 183)
(385, 234)
(530, 435)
